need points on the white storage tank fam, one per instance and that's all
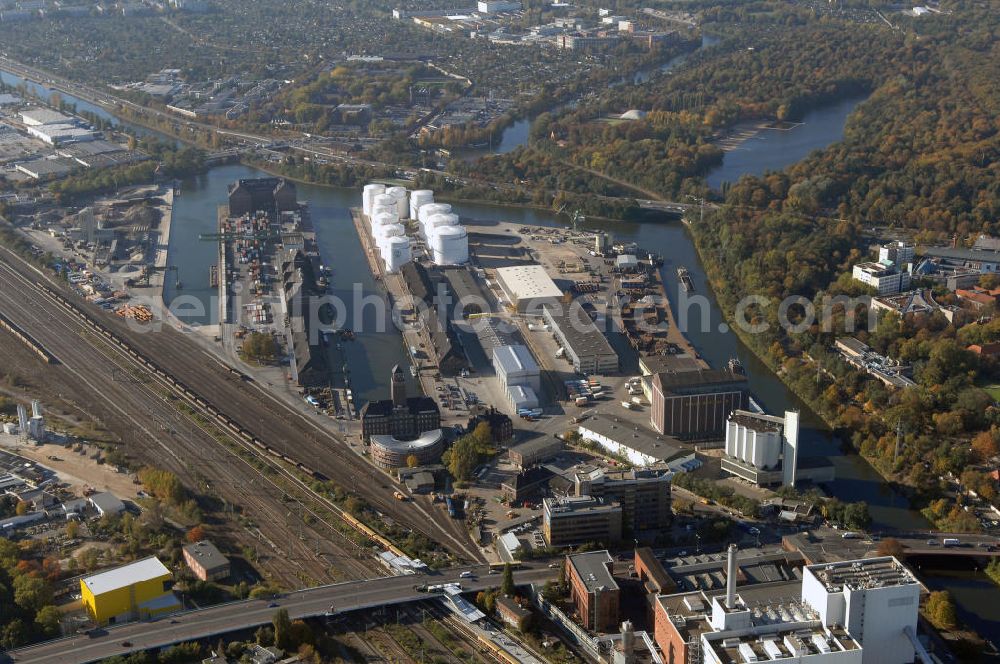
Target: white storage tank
(450, 245)
(388, 231)
(437, 222)
(384, 201)
(431, 209)
(418, 199)
(383, 219)
(368, 196)
(402, 201)
(396, 253)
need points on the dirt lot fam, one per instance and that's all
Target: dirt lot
(75, 468)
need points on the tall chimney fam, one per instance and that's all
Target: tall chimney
(731, 578)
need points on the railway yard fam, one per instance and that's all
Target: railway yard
(211, 441)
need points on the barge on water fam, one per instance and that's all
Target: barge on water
(685, 277)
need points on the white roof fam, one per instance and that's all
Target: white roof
(515, 360)
(44, 116)
(426, 439)
(522, 396)
(528, 281)
(121, 577)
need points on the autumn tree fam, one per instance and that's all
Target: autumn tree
(940, 610)
(196, 534)
(891, 546)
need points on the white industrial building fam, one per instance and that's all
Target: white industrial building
(37, 117)
(522, 397)
(497, 6)
(641, 446)
(527, 286)
(875, 599)
(57, 134)
(762, 449)
(516, 366)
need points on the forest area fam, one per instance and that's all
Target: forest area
(919, 155)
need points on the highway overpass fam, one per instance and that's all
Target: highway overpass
(249, 614)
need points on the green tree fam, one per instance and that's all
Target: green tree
(31, 593)
(282, 629)
(940, 610)
(47, 619)
(507, 584)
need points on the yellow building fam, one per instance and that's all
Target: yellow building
(133, 592)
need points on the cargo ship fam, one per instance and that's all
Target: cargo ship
(213, 276)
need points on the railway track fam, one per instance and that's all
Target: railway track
(193, 450)
(248, 408)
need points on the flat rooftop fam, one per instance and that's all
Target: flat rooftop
(863, 573)
(515, 360)
(691, 382)
(528, 282)
(579, 331)
(592, 569)
(568, 505)
(207, 555)
(121, 577)
(639, 438)
(761, 423)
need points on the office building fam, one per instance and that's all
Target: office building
(400, 416)
(593, 590)
(898, 254)
(762, 449)
(638, 444)
(644, 495)
(885, 279)
(527, 287)
(136, 591)
(388, 452)
(206, 561)
(585, 346)
(573, 520)
(985, 259)
(696, 404)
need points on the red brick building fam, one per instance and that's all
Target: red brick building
(593, 590)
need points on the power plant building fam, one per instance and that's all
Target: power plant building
(849, 612)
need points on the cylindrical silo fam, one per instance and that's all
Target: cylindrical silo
(396, 253)
(402, 201)
(368, 196)
(450, 245)
(772, 449)
(418, 199)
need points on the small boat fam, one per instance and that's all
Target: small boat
(736, 366)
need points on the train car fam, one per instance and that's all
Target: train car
(452, 508)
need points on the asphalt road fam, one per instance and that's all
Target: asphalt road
(235, 616)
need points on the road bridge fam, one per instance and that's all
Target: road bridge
(249, 614)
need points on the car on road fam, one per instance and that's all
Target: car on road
(126, 644)
(273, 605)
(465, 575)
